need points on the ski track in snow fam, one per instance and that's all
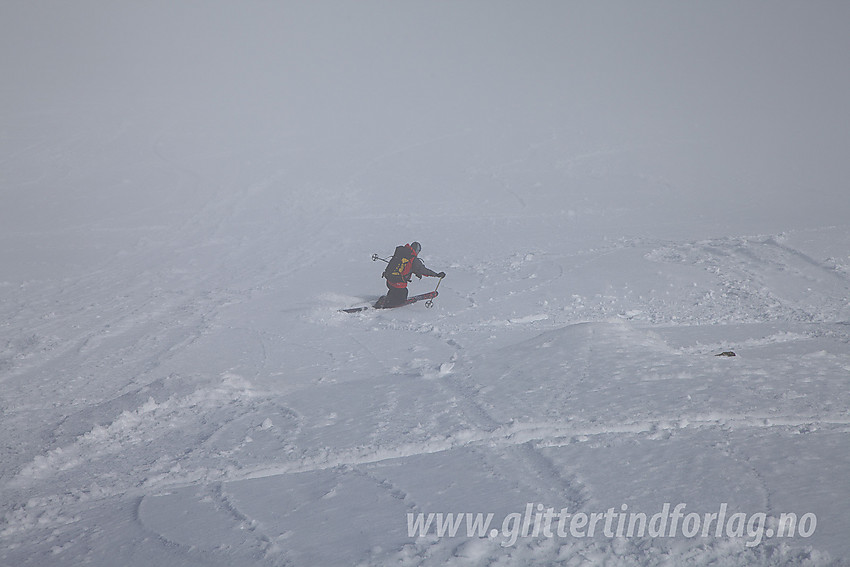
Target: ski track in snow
(533, 435)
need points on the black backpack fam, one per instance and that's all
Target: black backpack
(398, 269)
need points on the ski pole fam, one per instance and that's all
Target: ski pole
(430, 303)
(376, 257)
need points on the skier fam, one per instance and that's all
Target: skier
(404, 264)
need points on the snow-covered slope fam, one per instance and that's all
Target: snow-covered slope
(618, 194)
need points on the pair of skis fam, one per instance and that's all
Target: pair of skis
(428, 297)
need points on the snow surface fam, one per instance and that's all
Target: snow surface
(617, 191)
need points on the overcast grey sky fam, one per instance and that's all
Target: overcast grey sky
(747, 98)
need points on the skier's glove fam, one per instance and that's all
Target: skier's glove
(441, 275)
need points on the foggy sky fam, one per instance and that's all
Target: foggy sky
(735, 101)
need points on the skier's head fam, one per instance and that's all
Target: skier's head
(416, 247)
